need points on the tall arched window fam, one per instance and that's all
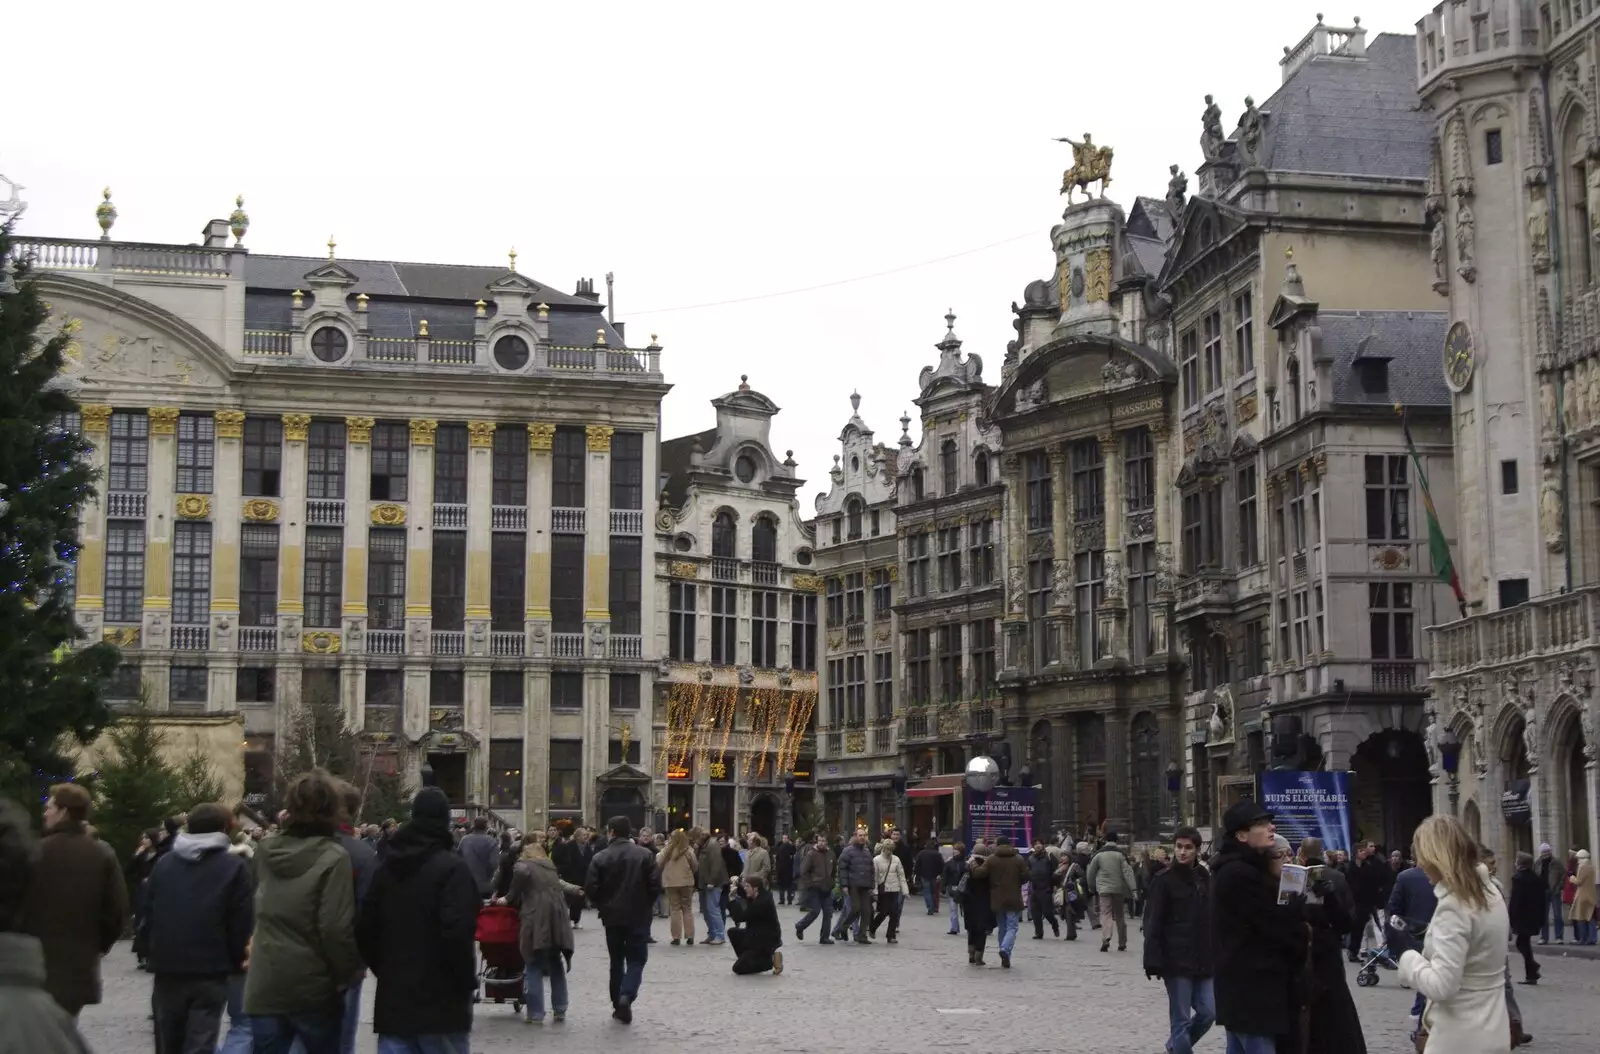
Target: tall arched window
(724, 537)
(852, 515)
(764, 541)
(947, 467)
(980, 468)
(1147, 776)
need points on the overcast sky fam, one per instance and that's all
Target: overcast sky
(702, 152)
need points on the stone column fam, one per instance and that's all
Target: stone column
(291, 546)
(1062, 621)
(536, 748)
(227, 510)
(90, 571)
(596, 613)
(1161, 629)
(541, 438)
(1113, 619)
(161, 511)
(1015, 522)
(1117, 810)
(480, 504)
(357, 487)
(419, 577)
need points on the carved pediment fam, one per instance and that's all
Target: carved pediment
(124, 339)
(1205, 224)
(330, 273)
(1079, 365)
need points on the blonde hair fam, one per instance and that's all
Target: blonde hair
(1449, 856)
(677, 845)
(533, 849)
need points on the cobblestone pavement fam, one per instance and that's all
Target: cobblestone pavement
(916, 997)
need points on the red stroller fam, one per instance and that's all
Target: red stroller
(501, 976)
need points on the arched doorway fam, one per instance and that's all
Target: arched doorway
(764, 817)
(1570, 784)
(1516, 818)
(623, 801)
(1146, 740)
(1389, 789)
(1472, 821)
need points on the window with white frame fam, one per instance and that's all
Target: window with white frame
(1244, 352)
(124, 590)
(1213, 350)
(191, 573)
(1391, 620)
(196, 453)
(764, 629)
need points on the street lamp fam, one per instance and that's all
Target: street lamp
(1174, 784)
(1450, 758)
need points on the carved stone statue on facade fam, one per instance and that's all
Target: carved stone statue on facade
(1177, 191)
(1211, 134)
(1591, 747)
(1061, 575)
(1221, 723)
(1592, 182)
(1250, 126)
(1466, 241)
(1431, 735)
(1436, 253)
(1550, 510)
(1016, 589)
(1569, 404)
(1530, 732)
(1539, 228)
(1547, 409)
(1033, 396)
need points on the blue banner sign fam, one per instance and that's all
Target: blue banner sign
(1009, 811)
(1309, 805)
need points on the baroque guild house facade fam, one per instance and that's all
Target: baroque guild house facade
(380, 487)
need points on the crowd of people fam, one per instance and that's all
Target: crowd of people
(262, 940)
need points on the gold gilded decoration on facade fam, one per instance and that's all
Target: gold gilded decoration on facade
(296, 426)
(855, 742)
(194, 506)
(163, 420)
(808, 583)
(297, 300)
(1305, 471)
(1097, 275)
(321, 642)
(229, 424)
(480, 433)
(96, 418)
(1320, 463)
(122, 636)
(422, 430)
(261, 510)
(541, 437)
(600, 437)
(684, 569)
(358, 429)
(894, 572)
(1247, 407)
(388, 515)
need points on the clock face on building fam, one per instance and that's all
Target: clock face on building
(1458, 357)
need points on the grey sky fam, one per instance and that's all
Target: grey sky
(702, 152)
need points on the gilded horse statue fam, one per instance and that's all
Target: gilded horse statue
(1090, 164)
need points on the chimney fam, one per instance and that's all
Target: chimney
(216, 234)
(586, 290)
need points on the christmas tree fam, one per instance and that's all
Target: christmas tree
(50, 694)
(137, 788)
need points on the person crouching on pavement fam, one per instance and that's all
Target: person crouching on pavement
(757, 942)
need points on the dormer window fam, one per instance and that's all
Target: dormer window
(1373, 375)
(916, 483)
(745, 468)
(852, 513)
(947, 467)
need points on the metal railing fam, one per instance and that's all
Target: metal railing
(258, 638)
(566, 645)
(386, 642)
(627, 521)
(191, 638)
(126, 504)
(625, 646)
(566, 521)
(449, 642)
(324, 513)
(508, 645)
(508, 518)
(268, 342)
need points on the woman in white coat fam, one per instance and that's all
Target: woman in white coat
(892, 889)
(1460, 966)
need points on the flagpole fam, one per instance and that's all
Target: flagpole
(1435, 530)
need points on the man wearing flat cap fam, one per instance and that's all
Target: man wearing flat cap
(1259, 945)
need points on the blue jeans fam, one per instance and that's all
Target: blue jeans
(318, 1030)
(537, 969)
(1192, 1010)
(441, 1043)
(1239, 1043)
(1553, 913)
(1582, 932)
(711, 911)
(629, 948)
(350, 1023)
(1007, 922)
(955, 914)
(930, 895)
(238, 1039)
(817, 902)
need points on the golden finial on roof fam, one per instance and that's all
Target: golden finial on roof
(422, 328)
(1288, 252)
(544, 310)
(238, 221)
(105, 213)
(298, 299)
(513, 255)
(482, 308)
(331, 244)
(600, 338)
(361, 301)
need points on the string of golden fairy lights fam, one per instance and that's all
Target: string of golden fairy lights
(697, 713)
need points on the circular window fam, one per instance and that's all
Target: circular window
(511, 352)
(682, 543)
(803, 558)
(745, 468)
(329, 344)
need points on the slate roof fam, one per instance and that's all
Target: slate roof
(675, 463)
(1412, 342)
(390, 278)
(1351, 117)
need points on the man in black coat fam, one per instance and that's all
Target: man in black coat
(1041, 890)
(929, 866)
(1258, 944)
(416, 931)
(757, 942)
(1370, 880)
(1177, 942)
(783, 855)
(623, 884)
(199, 912)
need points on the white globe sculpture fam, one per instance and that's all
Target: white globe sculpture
(983, 774)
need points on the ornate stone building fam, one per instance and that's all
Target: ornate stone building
(384, 486)
(736, 623)
(855, 560)
(1291, 603)
(1089, 680)
(1514, 197)
(948, 513)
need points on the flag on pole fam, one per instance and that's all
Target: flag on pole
(1444, 567)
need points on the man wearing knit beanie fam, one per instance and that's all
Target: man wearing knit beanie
(416, 933)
